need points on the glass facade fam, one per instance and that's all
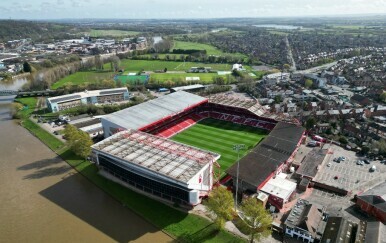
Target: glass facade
(153, 186)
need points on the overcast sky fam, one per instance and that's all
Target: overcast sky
(144, 9)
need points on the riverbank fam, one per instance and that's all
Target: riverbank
(178, 224)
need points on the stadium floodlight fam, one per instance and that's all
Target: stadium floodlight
(237, 147)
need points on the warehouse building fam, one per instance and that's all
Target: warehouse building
(157, 166)
(88, 97)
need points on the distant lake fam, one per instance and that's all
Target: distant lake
(278, 26)
(157, 39)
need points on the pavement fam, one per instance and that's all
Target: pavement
(347, 174)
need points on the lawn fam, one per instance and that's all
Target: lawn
(210, 50)
(83, 77)
(132, 79)
(219, 137)
(150, 65)
(113, 33)
(183, 226)
(204, 77)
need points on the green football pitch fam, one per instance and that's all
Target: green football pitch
(219, 137)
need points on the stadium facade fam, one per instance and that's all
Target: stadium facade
(104, 96)
(157, 166)
(137, 150)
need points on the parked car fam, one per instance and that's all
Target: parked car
(360, 162)
(373, 168)
(366, 161)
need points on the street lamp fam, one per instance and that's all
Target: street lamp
(237, 147)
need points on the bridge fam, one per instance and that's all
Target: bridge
(26, 93)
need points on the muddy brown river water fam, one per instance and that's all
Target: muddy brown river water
(43, 200)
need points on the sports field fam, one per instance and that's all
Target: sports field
(82, 78)
(150, 65)
(163, 77)
(219, 137)
(210, 50)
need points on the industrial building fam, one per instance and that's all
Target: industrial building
(104, 96)
(157, 166)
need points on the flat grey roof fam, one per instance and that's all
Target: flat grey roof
(188, 87)
(64, 98)
(310, 163)
(146, 113)
(86, 94)
(165, 157)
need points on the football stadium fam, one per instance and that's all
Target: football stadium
(176, 147)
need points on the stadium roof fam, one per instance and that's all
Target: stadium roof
(310, 163)
(251, 105)
(147, 113)
(269, 154)
(165, 157)
(85, 94)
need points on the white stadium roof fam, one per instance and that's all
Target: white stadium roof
(165, 157)
(141, 115)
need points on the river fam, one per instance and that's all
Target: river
(42, 199)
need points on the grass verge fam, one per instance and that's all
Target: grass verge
(183, 226)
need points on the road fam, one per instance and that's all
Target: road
(290, 56)
(318, 68)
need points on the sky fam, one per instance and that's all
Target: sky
(172, 9)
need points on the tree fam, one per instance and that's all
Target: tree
(310, 123)
(27, 67)
(286, 67)
(220, 202)
(381, 146)
(383, 96)
(343, 140)
(79, 141)
(256, 218)
(308, 83)
(278, 99)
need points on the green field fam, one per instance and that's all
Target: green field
(204, 77)
(113, 33)
(83, 77)
(210, 50)
(132, 79)
(219, 137)
(148, 65)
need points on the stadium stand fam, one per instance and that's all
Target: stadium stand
(140, 152)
